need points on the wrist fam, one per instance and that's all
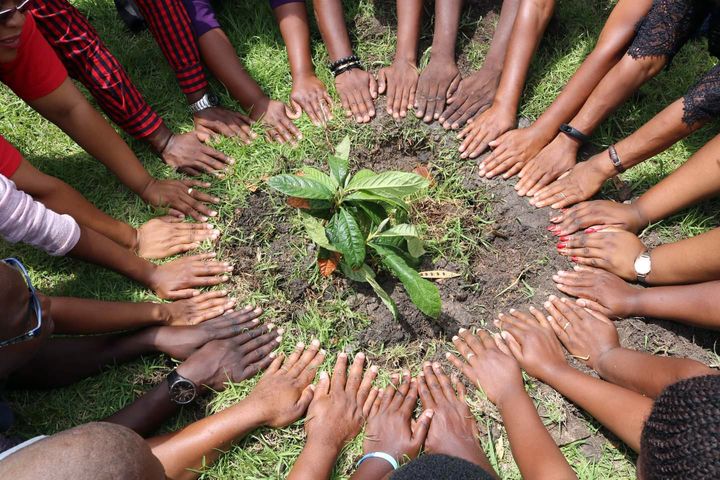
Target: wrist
(605, 360)
(160, 313)
(257, 106)
(602, 165)
(510, 399)
(329, 446)
(196, 374)
(405, 57)
(195, 96)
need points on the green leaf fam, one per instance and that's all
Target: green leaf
(338, 168)
(388, 199)
(344, 232)
(316, 232)
(342, 149)
(409, 232)
(360, 175)
(384, 296)
(358, 275)
(394, 184)
(423, 293)
(319, 176)
(374, 212)
(300, 187)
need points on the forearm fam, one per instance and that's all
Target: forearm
(688, 261)
(100, 250)
(644, 373)
(83, 316)
(532, 447)
(200, 443)
(221, 59)
(695, 304)
(294, 28)
(620, 410)
(316, 461)
(530, 20)
(409, 15)
(147, 413)
(331, 21)
(447, 22)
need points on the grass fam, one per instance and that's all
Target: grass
(270, 453)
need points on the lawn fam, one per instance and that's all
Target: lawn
(461, 219)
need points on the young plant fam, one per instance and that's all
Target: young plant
(359, 222)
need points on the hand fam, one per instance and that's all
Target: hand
(614, 251)
(599, 290)
(511, 151)
(194, 310)
(533, 343)
(284, 393)
(357, 90)
(189, 155)
(453, 430)
(180, 195)
(437, 82)
(474, 94)
(490, 365)
(587, 335)
(232, 360)
(214, 121)
(399, 80)
(166, 236)
(579, 184)
(558, 157)
(181, 342)
(310, 95)
(178, 279)
(482, 129)
(272, 114)
(390, 427)
(339, 406)
(599, 213)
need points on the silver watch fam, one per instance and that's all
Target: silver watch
(643, 266)
(208, 100)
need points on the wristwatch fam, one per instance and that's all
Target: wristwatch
(182, 391)
(643, 266)
(208, 100)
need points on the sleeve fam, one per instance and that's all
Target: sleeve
(10, 158)
(22, 219)
(36, 71)
(702, 101)
(278, 3)
(202, 16)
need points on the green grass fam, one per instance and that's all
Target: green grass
(268, 453)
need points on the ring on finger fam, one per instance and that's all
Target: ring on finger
(566, 326)
(469, 356)
(190, 190)
(562, 195)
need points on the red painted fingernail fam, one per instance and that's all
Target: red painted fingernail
(590, 230)
(574, 259)
(560, 246)
(564, 238)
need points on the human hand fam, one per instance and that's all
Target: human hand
(179, 278)
(357, 90)
(390, 427)
(453, 430)
(474, 94)
(556, 158)
(598, 213)
(180, 195)
(511, 151)
(579, 184)
(482, 129)
(181, 342)
(340, 405)
(611, 250)
(272, 114)
(214, 121)
(166, 236)
(233, 359)
(310, 95)
(437, 82)
(284, 393)
(599, 290)
(533, 343)
(194, 310)
(186, 153)
(399, 80)
(490, 365)
(586, 334)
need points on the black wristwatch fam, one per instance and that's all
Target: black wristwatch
(182, 391)
(574, 133)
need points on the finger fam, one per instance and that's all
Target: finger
(355, 105)
(401, 391)
(501, 345)
(559, 332)
(421, 427)
(426, 397)
(513, 345)
(265, 350)
(388, 393)
(370, 402)
(277, 362)
(308, 373)
(355, 377)
(593, 305)
(463, 348)
(294, 109)
(306, 357)
(470, 111)
(323, 385)
(368, 106)
(453, 104)
(410, 401)
(382, 81)
(373, 91)
(363, 392)
(539, 317)
(305, 398)
(445, 384)
(430, 107)
(460, 365)
(182, 294)
(340, 373)
(312, 108)
(472, 340)
(345, 100)
(433, 383)
(403, 100)
(257, 367)
(375, 408)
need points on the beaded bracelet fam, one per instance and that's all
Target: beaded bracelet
(344, 68)
(350, 58)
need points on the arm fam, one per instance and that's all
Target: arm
(686, 261)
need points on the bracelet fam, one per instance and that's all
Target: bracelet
(349, 58)
(387, 457)
(615, 159)
(574, 133)
(346, 67)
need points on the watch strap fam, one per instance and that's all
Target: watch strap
(615, 159)
(172, 379)
(642, 276)
(573, 132)
(206, 101)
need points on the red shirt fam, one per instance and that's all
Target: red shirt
(37, 70)
(10, 158)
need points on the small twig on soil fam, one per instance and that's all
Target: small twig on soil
(515, 282)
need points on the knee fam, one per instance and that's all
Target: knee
(643, 68)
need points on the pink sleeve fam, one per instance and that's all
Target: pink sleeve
(22, 219)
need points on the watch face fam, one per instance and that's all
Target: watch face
(642, 265)
(212, 99)
(182, 392)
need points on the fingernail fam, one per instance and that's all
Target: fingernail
(271, 326)
(374, 369)
(546, 304)
(342, 355)
(462, 330)
(555, 219)
(213, 213)
(360, 355)
(300, 345)
(564, 238)
(448, 355)
(561, 245)
(552, 297)
(316, 342)
(556, 278)
(552, 228)
(512, 310)
(323, 352)
(279, 339)
(204, 219)
(210, 226)
(590, 230)
(429, 413)
(454, 338)
(281, 331)
(323, 375)
(272, 355)
(504, 335)
(574, 259)
(225, 278)
(436, 365)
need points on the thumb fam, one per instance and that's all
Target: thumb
(421, 427)
(382, 81)
(305, 398)
(294, 110)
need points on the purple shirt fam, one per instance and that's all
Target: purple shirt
(202, 14)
